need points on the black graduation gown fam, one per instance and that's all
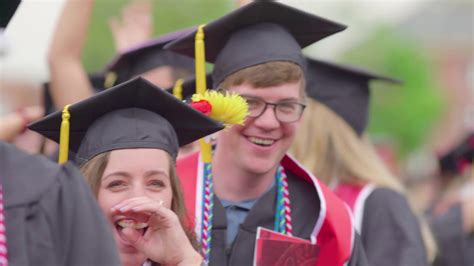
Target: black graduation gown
(304, 214)
(51, 216)
(390, 231)
(455, 247)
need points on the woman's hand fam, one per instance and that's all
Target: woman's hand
(164, 241)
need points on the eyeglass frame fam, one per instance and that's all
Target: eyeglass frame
(275, 106)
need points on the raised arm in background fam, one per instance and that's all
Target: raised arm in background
(68, 79)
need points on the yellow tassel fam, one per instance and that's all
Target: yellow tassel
(229, 108)
(64, 136)
(178, 89)
(200, 59)
(110, 79)
(201, 87)
(206, 151)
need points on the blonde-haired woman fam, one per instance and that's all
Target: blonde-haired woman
(332, 144)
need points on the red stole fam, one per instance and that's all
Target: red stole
(333, 231)
(355, 196)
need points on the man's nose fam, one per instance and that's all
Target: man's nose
(268, 119)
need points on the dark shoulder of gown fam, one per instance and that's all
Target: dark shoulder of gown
(390, 231)
(455, 247)
(51, 216)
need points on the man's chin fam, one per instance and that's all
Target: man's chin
(261, 166)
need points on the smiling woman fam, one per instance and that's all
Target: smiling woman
(147, 177)
(126, 140)
(105, 176)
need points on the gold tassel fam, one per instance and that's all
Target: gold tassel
(206, 151)
(178, 89)
(110, 79)
(200, 57)
(64, 136)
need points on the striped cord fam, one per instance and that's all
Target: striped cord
(208, 205)
(286, 203)
(3, 238)
(283, 223)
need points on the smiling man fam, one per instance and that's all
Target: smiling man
(251, 183)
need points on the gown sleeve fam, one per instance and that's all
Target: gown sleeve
(390, 231)
(358, 256)
(454, 245)
(82, 233)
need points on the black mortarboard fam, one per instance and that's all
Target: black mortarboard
(344, 89)
(149, 55)
(454, 161)
(7, 10)
(257, 33)
(467, 149)
(97, 80)
(134, 114)
(188, 87)
(447, 163)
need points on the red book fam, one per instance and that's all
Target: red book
(276, 249)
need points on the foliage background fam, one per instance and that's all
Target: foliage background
(405, 114)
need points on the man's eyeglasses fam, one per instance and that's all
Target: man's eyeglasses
(285, 112)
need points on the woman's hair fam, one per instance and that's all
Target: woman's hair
(330, 148)
(266, 75)
(94, 169)
(327, 146)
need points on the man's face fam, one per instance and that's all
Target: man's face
(258, 146)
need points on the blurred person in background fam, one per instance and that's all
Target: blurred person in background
(452, 211)
(138, 55)
(16, 95)
(333, 145)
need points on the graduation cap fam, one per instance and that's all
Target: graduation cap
(467, 149)
(256, 33)
(96, 79)
(7, 9)
(447, 164)
(184, 90)
(147, 56)
(133, 114)
(344, 89)
(458, 158)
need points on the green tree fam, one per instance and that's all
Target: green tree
(169, 15)
(405, 113)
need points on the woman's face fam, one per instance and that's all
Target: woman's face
(132, 173)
